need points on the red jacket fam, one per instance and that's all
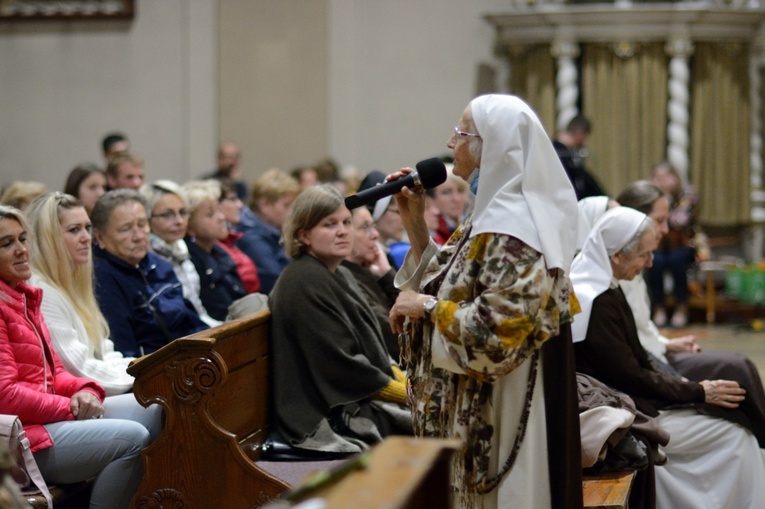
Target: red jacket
(33, 382)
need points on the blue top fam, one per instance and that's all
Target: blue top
(143, 305)
(220, 284)
(261, 242)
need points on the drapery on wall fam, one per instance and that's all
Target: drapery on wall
(624, 94)
(720, 125)
(532, 77)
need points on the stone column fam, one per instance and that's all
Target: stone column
(565, 52)
(679, 49)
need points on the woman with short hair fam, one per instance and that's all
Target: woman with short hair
(169, 220)
(137, 291)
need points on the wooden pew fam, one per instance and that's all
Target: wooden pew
(214, 387)
(607, 491)
(398, 473)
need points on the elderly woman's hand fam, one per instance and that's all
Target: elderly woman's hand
(381, 265)
(683, 344)
(409, 304)
(724, 393)
(85, 405)
(411, 207)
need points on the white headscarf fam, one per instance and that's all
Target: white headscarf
(590, 210)
(523, 189)
(591, 272)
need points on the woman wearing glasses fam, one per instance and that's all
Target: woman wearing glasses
(168, 220)
(487, 317)
(372, 271)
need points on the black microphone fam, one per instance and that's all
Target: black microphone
(430, 173)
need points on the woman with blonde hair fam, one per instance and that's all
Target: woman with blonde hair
(74, 432)
(169, 220)
(63, 268)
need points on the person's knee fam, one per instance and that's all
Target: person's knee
(133, 435)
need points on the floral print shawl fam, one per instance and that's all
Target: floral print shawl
(498, 303)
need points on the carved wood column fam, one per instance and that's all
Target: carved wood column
(567, 78)
(680, 49)
(756, 232)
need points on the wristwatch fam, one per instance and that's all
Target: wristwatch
(430, 305)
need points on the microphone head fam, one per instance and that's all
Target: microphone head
(432, 172)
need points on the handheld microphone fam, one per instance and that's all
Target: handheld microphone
(430, 173)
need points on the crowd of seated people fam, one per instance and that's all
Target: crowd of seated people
(128, 270)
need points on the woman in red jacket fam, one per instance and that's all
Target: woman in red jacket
(62, 414)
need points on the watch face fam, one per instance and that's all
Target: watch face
(431, 304)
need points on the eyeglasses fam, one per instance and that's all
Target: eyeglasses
(368, 228)
(465, 134)
(171, 214)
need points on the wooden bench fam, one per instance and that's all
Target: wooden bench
(607, 491)
(214, 388)
(398, 473)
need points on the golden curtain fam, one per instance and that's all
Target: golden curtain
(532, 78)
(720, 126)
(624, 94)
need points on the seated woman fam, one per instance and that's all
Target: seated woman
(61, 413)
(63, 268)
(681, 353)
(272, 195)
(372, 270)
(231, 206)
(712, 462)
(86, 182)
(137, 291)
(334, 386)
(220, 282)
(169, 220)
(451, 200)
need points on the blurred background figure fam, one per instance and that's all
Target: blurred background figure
(86, 182)
(261, 225)
(228, 168)
(124, 171)
(114, 143)
(451, 201)
(570, 145)
(679, 248)
(21, 193)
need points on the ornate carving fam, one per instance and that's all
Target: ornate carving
(566, 80)
(625, 49)
(194, 377)
(678, 106)
(264, 499)
(163, 498)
